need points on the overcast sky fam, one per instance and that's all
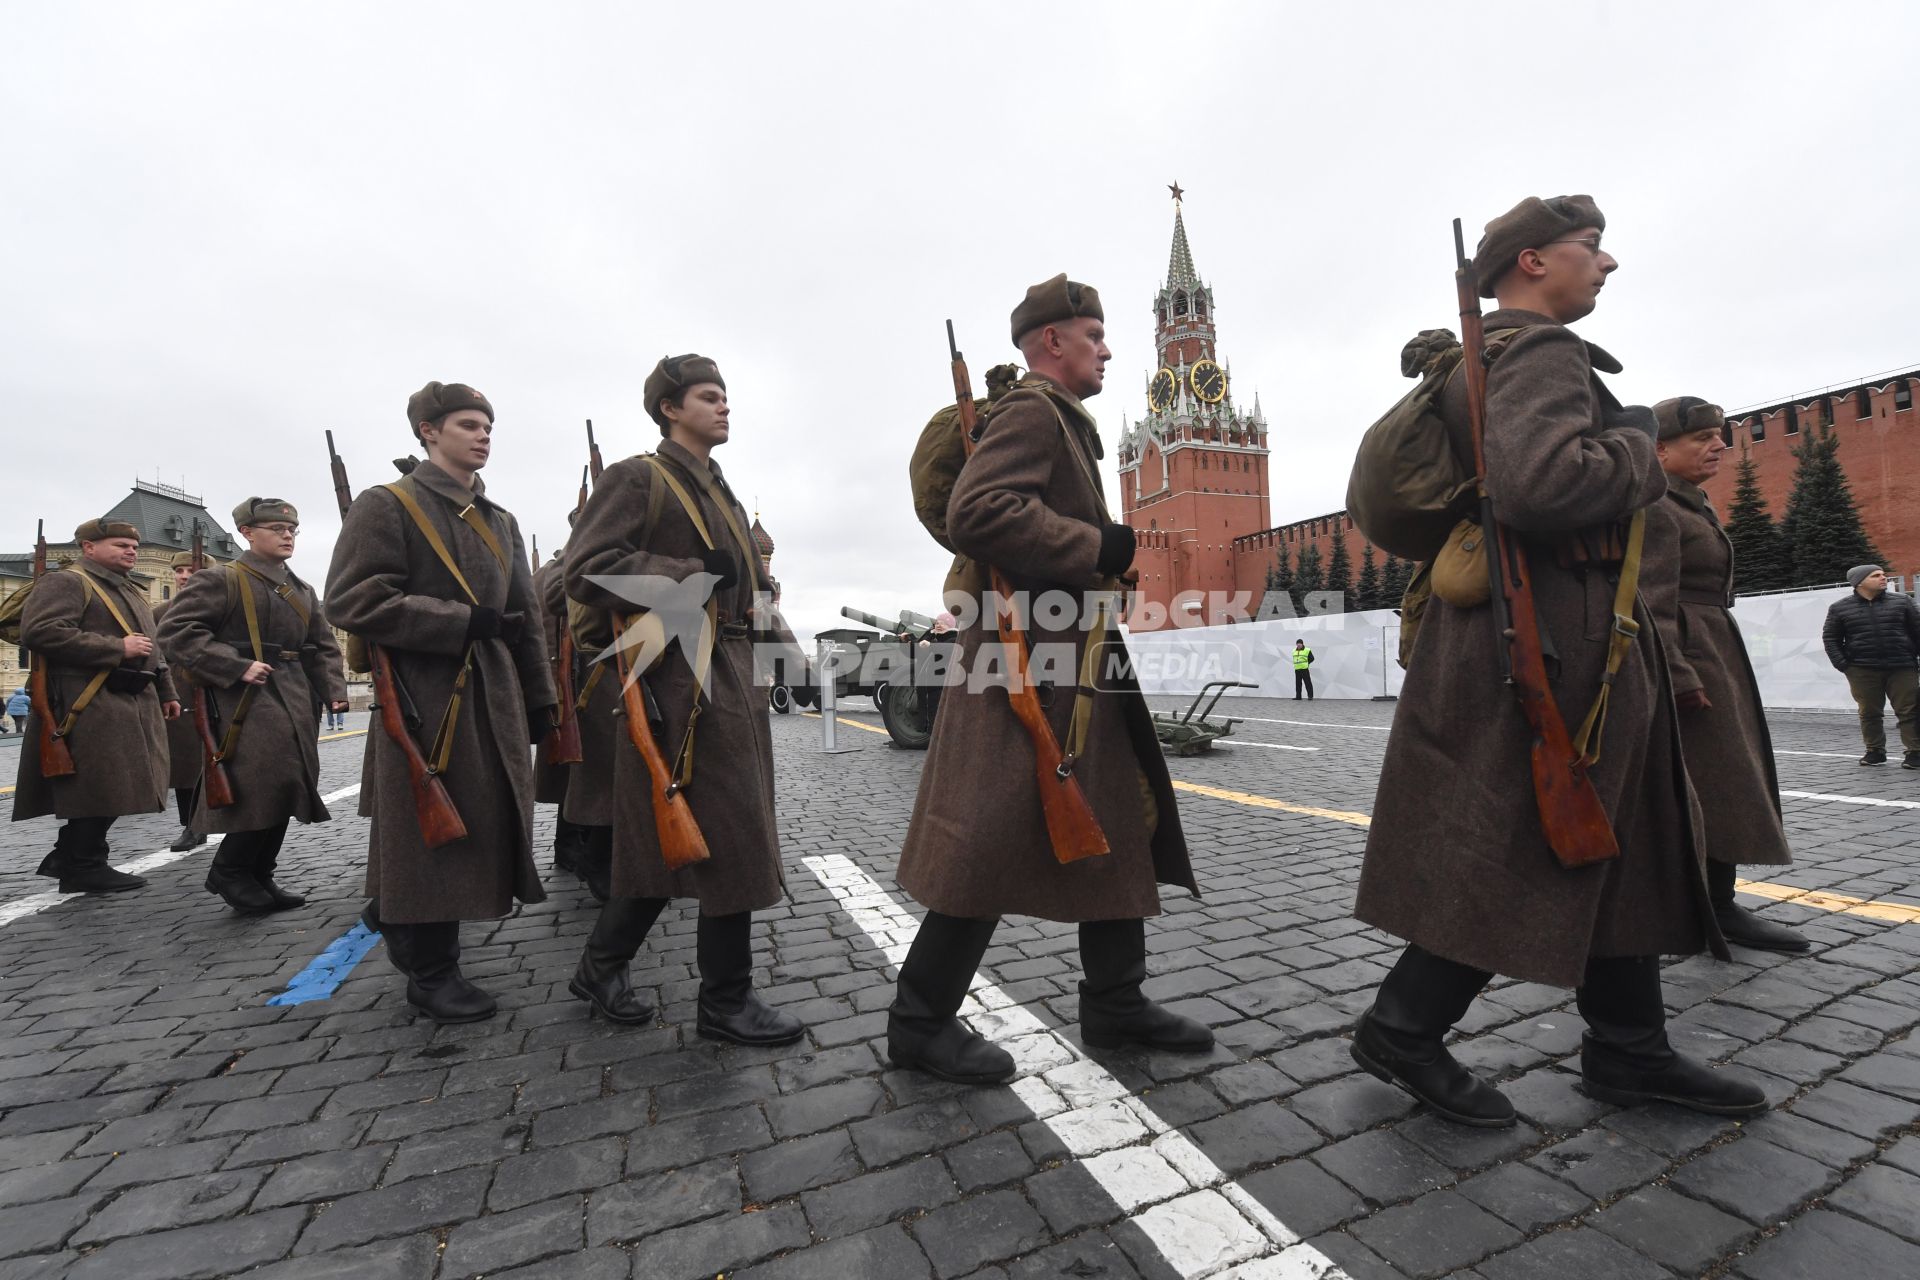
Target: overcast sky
(228, 227)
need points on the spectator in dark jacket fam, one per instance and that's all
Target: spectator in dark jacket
(1873, 636)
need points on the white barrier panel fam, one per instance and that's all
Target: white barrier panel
(1354, 653)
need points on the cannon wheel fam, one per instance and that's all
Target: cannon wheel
(781, 699)
(906, 724)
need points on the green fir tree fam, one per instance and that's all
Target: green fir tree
(1822, 530)
(1394, 576)
(1310, 577)
(1340, 571)
(1760, 561)
(1366, 591)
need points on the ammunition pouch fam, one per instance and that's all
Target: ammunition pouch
(1601, 547)
(129, 680)
(1459, 571)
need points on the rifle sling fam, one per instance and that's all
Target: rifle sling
(1620, 641)
(703, 658)
(99, 678)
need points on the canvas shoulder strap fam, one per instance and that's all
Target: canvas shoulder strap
(90, 590)
(1619, 643)
(401, 490)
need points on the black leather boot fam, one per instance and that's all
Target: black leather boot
(231, 874)
(183, 798)
(569, 840)
(1740, 925)
(1113, 1011)
(1401, 1038)
(730, 1009)
(266, 856)
(435, 985)
(923, 1031)
(1625, 1058)
(602, 978)
(593, 862)
(82, 863)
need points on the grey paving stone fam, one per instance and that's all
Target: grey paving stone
(642, 1207)
(809, 1071)
(1071, 1199)
(1885, 1196)
(912, 1131)
(684, 1142)
(440, 1113)
(326, 1176)
(47, 1181)
(885, 1251)
(1600, 1163)
(500, 1240)
(194, 1253)
(179, 1203)
(825, 1107)
(1465, 1147)
(1754, 1179)
(587, 1264)
(543, 1174)
(48, 1116)
(867, 1201)
(991, 1161)
(1552, 1101)
(297, 1140)
(1383, 1167)
(1579, 1253)
(42, 1227)
(1525, 1197)
(1668, 1130)
(714, 1092)
(1437, 1233)
(445, 1150)
(1185, 1102)
(1093, 1255)
(962, 1237)
(1353, 1258)
(700, 1251)
(1904, 1154)
(435, 1201)
(40, 1148)
(788, 1168)
(1673, 1229)
(1342, 1108)
(1888, 1073)
(1255, 1135)
(409, 1258)
(1829, 1146)
(1815, 1244)
(1304, 1196)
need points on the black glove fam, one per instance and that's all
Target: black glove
(482, 623)
(1117, 542)
(1637, 416)
(721, 565)
(540, 722)
(512, 627)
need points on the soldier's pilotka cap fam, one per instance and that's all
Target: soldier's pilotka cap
(673, 375)
(1529, 225)
(181, 560)
(1052, 301)
(259, 511)
(100, 529)
(1684, 415)
(438, 399)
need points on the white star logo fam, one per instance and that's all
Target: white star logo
(674, 611)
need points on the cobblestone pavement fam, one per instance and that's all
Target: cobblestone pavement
(158, 1118)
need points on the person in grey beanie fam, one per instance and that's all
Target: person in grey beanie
(1873, 637)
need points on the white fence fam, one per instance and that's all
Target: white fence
(1354, 653)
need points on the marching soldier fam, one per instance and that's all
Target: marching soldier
(183, 734)
(111, 698)
(433, 573)
(251, 635)
(1029, 503)
(551, 781)
(1723, 727)
(1472, 884)
(671, 516)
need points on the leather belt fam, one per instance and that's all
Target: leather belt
(734, 630)
(1714, 598)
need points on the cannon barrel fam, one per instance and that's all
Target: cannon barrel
(871, 620)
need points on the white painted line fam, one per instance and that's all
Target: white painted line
(1269, 746)
(38, 902)
(1885, 804)
(1829, 755)
(1201, 1221)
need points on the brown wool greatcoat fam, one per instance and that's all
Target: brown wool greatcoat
(1473, 879)
(1689, 589)
(550, 588)
(732, 790)
(1029, 502)
(275, 765)
(387, 585)
(185, 758)
(119, 743)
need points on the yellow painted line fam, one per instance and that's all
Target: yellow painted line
(1820, 900)
(840, 719)
(335, 737)
(1267, 802)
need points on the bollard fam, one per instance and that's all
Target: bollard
(826, 663)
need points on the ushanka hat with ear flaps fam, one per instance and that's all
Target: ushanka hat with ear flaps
(673, 375)
(1684, 415)
(101, 528)
(259, 511)
(1529, 225)
(438, 399)
(181, 560)
(1052, 301)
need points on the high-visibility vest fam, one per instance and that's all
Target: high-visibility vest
(1301, 657)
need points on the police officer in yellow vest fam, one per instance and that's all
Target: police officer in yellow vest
(1302, 675)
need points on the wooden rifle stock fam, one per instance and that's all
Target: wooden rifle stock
(439, 821)
(563, 740)
(1574, 820)
(56, 758)
(681, 841)
(217, 784)
(1072, 828)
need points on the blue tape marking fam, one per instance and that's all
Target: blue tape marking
(326, 971)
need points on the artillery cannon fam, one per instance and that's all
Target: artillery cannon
(903, 670)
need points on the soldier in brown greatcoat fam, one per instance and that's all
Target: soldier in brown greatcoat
(552, 780)
(1029, 503)
(267, 665)
(635, 527)
(112, 697)
(389, 585)
(1472, 884)
(1723, 727)
(184, 754)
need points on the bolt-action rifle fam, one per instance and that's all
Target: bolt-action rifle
(594, 465)
(439, 821)
(1575, 822)
(563, 744)
(214, 778)
(56, 758)
(1072, 828)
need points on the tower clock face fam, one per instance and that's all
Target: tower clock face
(1209, 381)
(1160, 390)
